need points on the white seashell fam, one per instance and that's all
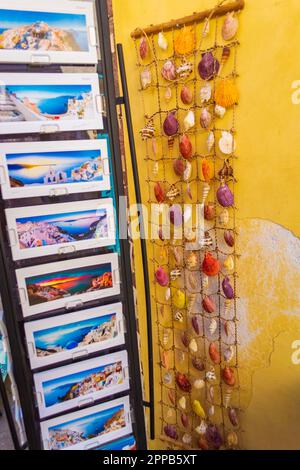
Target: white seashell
(184, 70)
(166, 337)
(168, 378)
(227, 397)
(201, 429)
(228, 354)
(199, 384)
(205, 93)
(205, 282)
(210, 375)
(146, 78)
(193, 346)
(220, 111)
(211, 410)
(162, 41)
(227, 143)
(228, 303)
(192, 299)
(175, 274)
(187, 172)
(187, 439)
(205, 30)
(230, 26)
(210, 141)
(178, 317)
(168, 294)
(187, 214)
(168, 94)
(189, 120)
(182, 403)
(205, 192)
(213, 326)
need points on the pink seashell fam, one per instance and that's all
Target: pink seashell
(171, 125)
(144, 49)
(186, 95)
(170, 431)
(205, 118)
(196, 323)
(230, 27)
(225, 196)
(227, 288)
(162, 277)
(168, 71)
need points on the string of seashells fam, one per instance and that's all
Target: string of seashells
(216, 95)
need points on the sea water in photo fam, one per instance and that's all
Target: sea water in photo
(56, 229)
(73, 335)
(44, 168)
(43, 31)
(125, 443)
(82, 429)
(58, 285)
(82, 383)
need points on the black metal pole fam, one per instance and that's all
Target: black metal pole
(142, 236)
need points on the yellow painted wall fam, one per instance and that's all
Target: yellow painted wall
(268, 194)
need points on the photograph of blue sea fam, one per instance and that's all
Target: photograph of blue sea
(42, 30)
(87, 427)
(126, 443)
(70, 336)
(44, 168)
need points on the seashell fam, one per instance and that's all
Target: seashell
(227, 397)
(227, 307)
(210, 375)
(206, 241)
(227, 288)
(168, 294)
(228, 327)
(148, 131)
(228, 354)
(198, 364)
(168, 94)
(205, 192)
(179, 299)
(146, 78)
(196, 323)
(207, 170)
(183, 382)
(185, 146)
(186, 95)
(172, 193)
(184, 70)
(182, 403)
(232, 439)
(184, 41)
(205, 30)
(201, 429)
(220, 111)
(185, 420)
(187, 439)
(178, 317)
(161, 277)
(189, 192)
(210, 141)
(144, 48)
(192, 261)
(171, 125)
(213, 437)
(169, 413)
(227, 143)
(209, 211)
(175, 274)
(223, 218)
(226, 171)
(165, 337)
(199, 384)
(229, 263)
(211, 393)
(229, 238)
(225, 55)
(208, 66)
(159, 193)
(210, 266)
(189, 120)
(205, 118)
(172, 397)
(232, 415)
(213, 326)
(192, 299)
(168, 378)
(189, 235)
(225, 196)
(202, 443)
(170, 431)
(165, 360)
(208, 304)
(171, 145)
(193, 281)
(230, 27)
(193, 346)
(214, 353)
(198, 409)
(168, 71)
(178, 167)
(177, 252)
(175, 215)
(228, 376)
(205, 93)
(211, 410)
(162, 41)
(205, 282)
(185, 339)
(226, 93)
(187, 172)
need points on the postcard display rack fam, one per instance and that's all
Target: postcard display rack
(65, 279)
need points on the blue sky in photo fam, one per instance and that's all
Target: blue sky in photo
(44, 92)
(69, 217)
(128, 441)
(11, 19)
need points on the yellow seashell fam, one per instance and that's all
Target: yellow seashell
(193, 346)
(232, 439)
(184, 41)
(198, 409)
(179, 299)
(182, 403)
(226, 93)
(229, 263)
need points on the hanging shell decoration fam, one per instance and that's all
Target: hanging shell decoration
(201, 429)
(162, 41)
(205, 118)
(186, 95)
(205, 192)
(168, 94)
(175, 274)
(226, 171)
(148, 131)
(226, 93)
(210, 140)
(214, 353)
(170, 431)
(165, 337)
(182, 403)
(198, 409)
(193, 346)
(206, 241)
(171, 125)
(211, 375)
(183, 382)
(161, 277)
(189, 121)
(146, 78)
(184, 41)
(172, 193)
(220, 111)
(184, 420)
(198, 364)
(232, 439)
(225, 196)
(230, 27)
(205, 93)
(159, 192)
(199, 384)
(209, 211)
(208, 66)
(208, 304)
(179, 317)
(227, 288)
(225, 56)
(187, 172)
(228, 376)
(165, 360)
(193, 282)
(229, 264)
(144, 48)
(213, 326)
(233, 417)
(172, 397)
(168, 71)
(168, 378)
(185, 146)
(211, 266)
(179, 299)
(192, 261)
(228, 354)
(227, 143)
(207, 170)
(187, 439)
(213, 437)
(228, 303)
(229, 238)
(184, 70)
(178, 167)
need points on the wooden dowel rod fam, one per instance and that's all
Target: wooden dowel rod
(174, 442)
(195, 17)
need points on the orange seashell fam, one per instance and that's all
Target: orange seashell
(210, 266)
(184, 41)
(172, 397)
(214, 353)
(185, 147)
(228, 376)
(207, 170)
(208, 304)
(165, 360)
(159, 192)
(202, 443)
(226, 93)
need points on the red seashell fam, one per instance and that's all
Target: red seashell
(159, 192)
(185, 420)
(202, 443)
(183, 382)
(210, 266)
(214, 353)
(208, 304)
(229, 238)
(232, 415)
(228, 376)
(198, 364)
(185, 338)
(185, 147)
(171, 396)
(144, 49)
(178, 166)
(196, 324)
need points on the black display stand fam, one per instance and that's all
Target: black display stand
(8, 286)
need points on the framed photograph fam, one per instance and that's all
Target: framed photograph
(125, 443)
(54, 229)
(47, 32)
(67, 284)
(88, 428)
(33, 169)
(80, 384)
(74, 335)
(49, 102)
